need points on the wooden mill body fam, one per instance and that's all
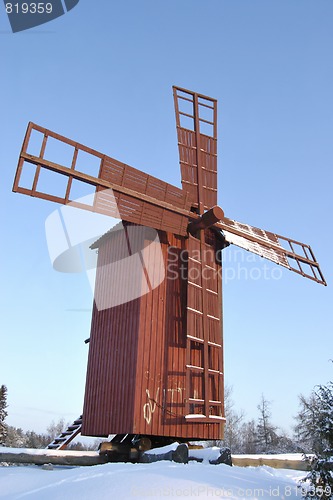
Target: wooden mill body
(147, 372)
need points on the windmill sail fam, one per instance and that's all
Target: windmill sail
(136, 197)
(292, 254)
(196, 119)
(204, 361)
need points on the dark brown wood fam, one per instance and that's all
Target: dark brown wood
(267, 245)
(199, 172)
(94, 181)
(61, 441)
(140, 352)
(204, 331)
(161, 205)
(197, 150)
(121, 190)
(206, 220)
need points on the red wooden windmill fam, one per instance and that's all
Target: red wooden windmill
(155, 362)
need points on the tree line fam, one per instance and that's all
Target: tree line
(313, 430)
(15, 437)
(261, 435)
(258, 435)
(313, 435)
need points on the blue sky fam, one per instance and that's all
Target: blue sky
(103, 76)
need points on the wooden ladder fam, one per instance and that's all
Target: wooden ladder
(61, 441)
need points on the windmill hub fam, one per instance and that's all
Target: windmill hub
(206, 220)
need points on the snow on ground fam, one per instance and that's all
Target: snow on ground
(148, 481)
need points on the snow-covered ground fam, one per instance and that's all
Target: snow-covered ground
(148, 481)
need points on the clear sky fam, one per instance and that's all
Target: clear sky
(102, 75)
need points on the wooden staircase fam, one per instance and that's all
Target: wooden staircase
(61, 442)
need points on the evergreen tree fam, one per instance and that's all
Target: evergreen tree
(3, 413)
(34, 440)
(307, 420)
(15, 437)
(319, 422)
(325, 417)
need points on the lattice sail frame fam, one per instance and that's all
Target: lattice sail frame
(196, 120)
(204, 339)
(289, 253)
(136, 197)
(198, 164)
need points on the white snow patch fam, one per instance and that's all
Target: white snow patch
(47, 452)
(205, 454)
(282, 456)
(148, 481)
(163, 449)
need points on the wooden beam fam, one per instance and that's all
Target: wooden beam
(270, 461)
(95, 181)
(43, 456)
(206, 220)
(268, 244)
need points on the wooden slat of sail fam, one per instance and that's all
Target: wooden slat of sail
(122, 191)
(196, 119)
(292, 254)
(204, 363)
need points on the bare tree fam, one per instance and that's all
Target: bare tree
(249, 437)
(54, 429)
(232, 431)
(266, 432)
